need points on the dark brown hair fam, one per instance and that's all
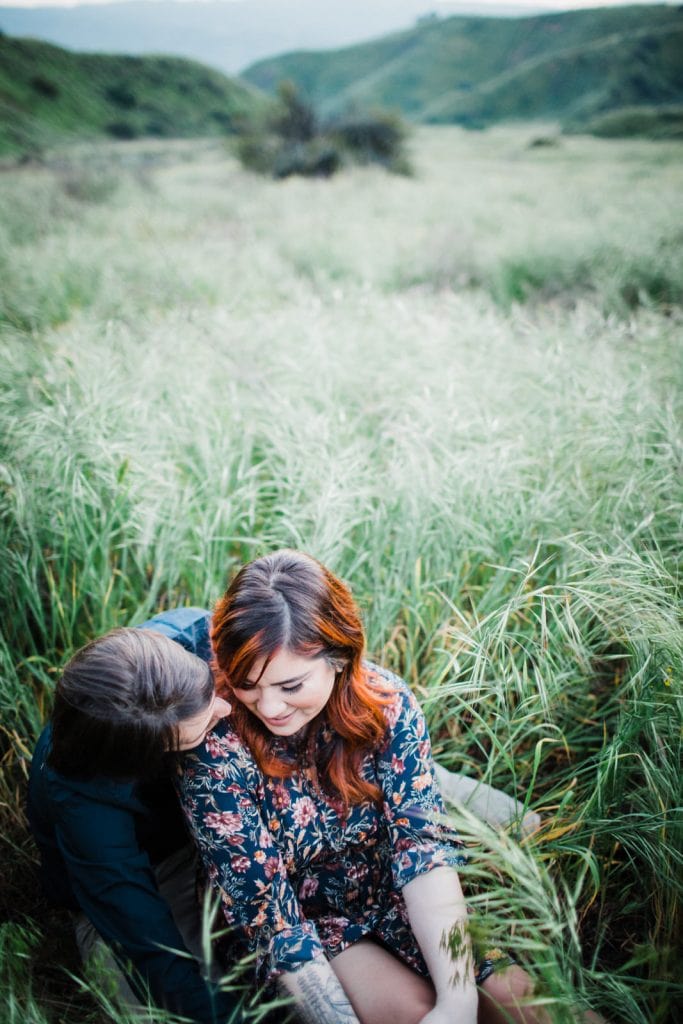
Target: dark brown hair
(120, 701)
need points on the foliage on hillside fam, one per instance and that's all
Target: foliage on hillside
(48, 95)
(475, 71)
(288, 138)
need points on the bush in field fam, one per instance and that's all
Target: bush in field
(289, 140)
(633, 122)
(376, 136)
(294, 118)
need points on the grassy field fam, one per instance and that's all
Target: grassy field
(462, 390)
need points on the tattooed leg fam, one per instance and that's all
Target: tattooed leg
(318, 995)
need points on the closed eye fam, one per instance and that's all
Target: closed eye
(292, 689)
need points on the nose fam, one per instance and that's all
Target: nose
(271, 703)
(221, 709)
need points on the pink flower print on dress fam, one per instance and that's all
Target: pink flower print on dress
(357, 872)
(392, 713)
(240, 863)
(304, 811)
(219, 746)
(281, 798)
(422, 781)
(225, 823)
(308, 888)
(271, 867)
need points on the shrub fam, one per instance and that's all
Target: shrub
(319, 158)
(45, 87)
(121, 96)
(374, 137)
(257, 150)
(293, 119)
(289, 140)
(121, 130)
(633, 122)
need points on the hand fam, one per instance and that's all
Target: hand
(437, 1016)
(440, 1015)
(452, 1014)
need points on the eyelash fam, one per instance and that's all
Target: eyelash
(285, 689)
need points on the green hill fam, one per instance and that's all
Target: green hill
(49, 95)
(568, 66)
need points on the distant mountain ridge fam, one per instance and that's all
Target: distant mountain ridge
(226, 35)
(49, 96)
(474, 71)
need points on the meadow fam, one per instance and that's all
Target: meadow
(460, 389)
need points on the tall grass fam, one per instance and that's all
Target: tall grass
(201, 366)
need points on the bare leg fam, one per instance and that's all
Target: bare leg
(491, 805)
(380, 987)
(504, 999)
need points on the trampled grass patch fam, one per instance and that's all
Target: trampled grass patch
(202, 365)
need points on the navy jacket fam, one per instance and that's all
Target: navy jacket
(99, 839)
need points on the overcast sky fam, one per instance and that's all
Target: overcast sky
(430, 5)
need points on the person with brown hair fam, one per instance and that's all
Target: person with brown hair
(320, 822)
(114, 848)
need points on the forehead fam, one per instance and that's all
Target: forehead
(281, 666)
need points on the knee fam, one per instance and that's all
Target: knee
(511, 983)
(505, 997)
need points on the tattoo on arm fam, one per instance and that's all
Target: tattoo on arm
(318, 995)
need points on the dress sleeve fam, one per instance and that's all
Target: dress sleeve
(222, 793)
(413, 808)
(115, 886)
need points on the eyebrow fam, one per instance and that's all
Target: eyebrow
(281, 682)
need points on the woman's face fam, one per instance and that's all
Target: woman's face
(293, 689)
(192, 731)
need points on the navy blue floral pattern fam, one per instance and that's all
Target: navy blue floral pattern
(298, 874)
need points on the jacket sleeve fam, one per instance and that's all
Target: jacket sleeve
(187, 626)
(222, 796)
(412, 804)
(115, 886)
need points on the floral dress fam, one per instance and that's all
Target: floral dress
(299, 875)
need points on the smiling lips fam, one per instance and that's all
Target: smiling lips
(278, 721)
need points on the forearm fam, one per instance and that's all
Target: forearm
(317, 994)
(438, 919)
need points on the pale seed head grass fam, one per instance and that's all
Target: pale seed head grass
(208, 366)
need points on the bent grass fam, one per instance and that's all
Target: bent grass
(203, 366)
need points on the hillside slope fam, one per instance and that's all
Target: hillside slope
(226, 34)
(480, 70)
(48, 95)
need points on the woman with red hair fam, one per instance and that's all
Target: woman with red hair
(316, 811)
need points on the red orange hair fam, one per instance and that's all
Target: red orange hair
(290, 601)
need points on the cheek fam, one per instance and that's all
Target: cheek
(245, 697)
(323, 694)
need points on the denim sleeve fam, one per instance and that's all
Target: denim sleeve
(413, 808)
(187, 626)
